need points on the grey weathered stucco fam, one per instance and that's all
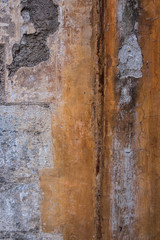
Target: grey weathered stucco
(124, 170)
(25, 140)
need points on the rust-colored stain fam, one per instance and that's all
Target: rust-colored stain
(104, 181)
(111, 46)
(68, 201)
(69, 189)
(148, 123)
(143, 126)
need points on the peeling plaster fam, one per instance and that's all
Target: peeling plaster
(32, 48)
(130, 58)
(124, 155)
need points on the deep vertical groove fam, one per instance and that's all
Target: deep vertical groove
(99, 109)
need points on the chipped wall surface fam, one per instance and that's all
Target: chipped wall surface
(46, 127)
(79, 120)
(130, 182)
(32, 48)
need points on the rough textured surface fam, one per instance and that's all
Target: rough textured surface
(127, 17)
(2, 72)
(148, 123)
(130, 206)
(33, 48)
(79, 132)
(130, 58)
(121, 88)
(29, 236)
(47, 146)
(25, 140)
(71, 181)
(124, 173)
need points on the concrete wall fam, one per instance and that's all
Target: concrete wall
(130, 182)
(79, 121)
(46, 123)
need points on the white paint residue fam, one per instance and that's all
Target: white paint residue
(123, 187)
(125, 95)
(130, 58)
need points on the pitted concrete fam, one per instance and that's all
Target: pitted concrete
(32, 48)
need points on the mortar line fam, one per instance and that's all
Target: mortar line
(42, 104)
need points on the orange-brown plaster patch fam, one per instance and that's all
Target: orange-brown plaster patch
(68, 203)
(148, 122)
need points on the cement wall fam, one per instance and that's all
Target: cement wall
(130, 185)
(46, 124)
(79, 120)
